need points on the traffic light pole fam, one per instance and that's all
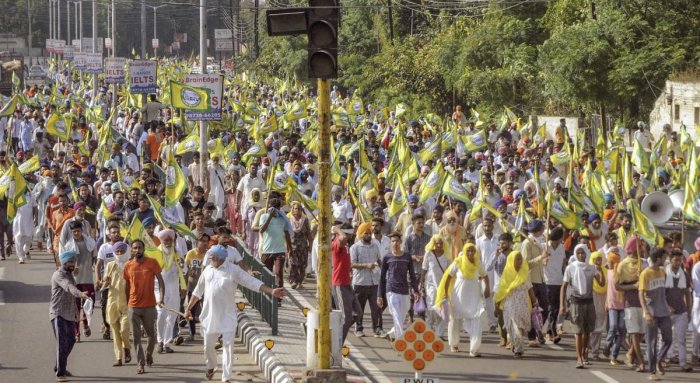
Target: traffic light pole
(324, 226)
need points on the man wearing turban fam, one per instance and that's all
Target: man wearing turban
(63, 312)
(174, 288)
(216, 287)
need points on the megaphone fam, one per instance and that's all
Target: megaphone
(677, 197)
(658, 207)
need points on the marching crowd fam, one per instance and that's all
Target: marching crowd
(458, 221)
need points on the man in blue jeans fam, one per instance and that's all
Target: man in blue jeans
(276, 241)
(652, 296)
(63, 311)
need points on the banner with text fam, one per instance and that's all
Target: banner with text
(213, 82)
(88, 62)
(115, 72)
(143, 75)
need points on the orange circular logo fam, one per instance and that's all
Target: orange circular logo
(409, 355)
(400, 345)
(418, 364)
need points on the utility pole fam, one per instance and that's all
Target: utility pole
(155, 36)
(391, 22)
(58, 25)
(50, 23)
(143, 29)
(67, 21)
(94, 44)
(114, 49)
(81, 23)
(29, 25)
(76, 4)
(256, 46)
(203, 65)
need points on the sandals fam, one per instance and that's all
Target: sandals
(87, 331)
(640, 369)
(661, 368)
(209, 374)
(140, 370)
(61, 379)
(149, 360)
(127, 355)
(654, 378)
(118, 363)
(580, 366)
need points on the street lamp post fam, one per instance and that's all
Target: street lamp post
(155, 35)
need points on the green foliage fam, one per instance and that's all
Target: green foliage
(542, 57)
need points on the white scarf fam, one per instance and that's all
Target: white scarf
(579, 279)
(670, 275)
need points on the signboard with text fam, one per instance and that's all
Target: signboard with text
(86, 44)
(68, 52)
(115, 72)
(143, 75)
(213, 82)
(88, 62)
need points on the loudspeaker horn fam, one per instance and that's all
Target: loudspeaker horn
(658, 207)
(677, 197)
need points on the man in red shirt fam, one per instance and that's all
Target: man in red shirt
(341, 277)
(138, 274)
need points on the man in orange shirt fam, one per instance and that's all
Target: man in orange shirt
(141, 299)
(57, 220)
(153, 142)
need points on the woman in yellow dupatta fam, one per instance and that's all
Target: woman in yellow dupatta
(516, 298)
(461, 284)
(599, 296)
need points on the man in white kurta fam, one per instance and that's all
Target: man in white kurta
(174, 286)
(23, 228)
(487, 245)
(217, 179)
(217, 287)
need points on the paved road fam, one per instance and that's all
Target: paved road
(549, 363)
(28, 343)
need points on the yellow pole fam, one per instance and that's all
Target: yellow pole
(324, 225)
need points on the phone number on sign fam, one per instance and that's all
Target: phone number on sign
(213, 116)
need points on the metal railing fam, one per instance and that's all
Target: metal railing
(265, 304)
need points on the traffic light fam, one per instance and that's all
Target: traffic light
(322, 30)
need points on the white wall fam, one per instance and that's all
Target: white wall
(686, 94)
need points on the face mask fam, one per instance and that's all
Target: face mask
(122, 258)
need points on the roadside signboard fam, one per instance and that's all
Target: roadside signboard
(143, 76)
(213, 82)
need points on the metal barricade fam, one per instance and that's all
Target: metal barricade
(265, 304)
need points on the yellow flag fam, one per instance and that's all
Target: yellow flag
(399, 199)
(31, 165)
(58, 127)
(189, 97)
(14, 186)
(432, 184)
(9, 108)
(174, 181)
(643, 226)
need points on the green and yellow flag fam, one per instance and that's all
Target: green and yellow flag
(58, 127)
(643, 226)
(135, 230)
(258, 149)
(30, 166)
(189, 97)
(691, 200)
(562, 157)
(474, 142)
(432, 184)
(400, 198)
(454, 189)
(175, 183)
(640, 158)
(14, 186)
(10, 107)
(558, 209)
(189, 144)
